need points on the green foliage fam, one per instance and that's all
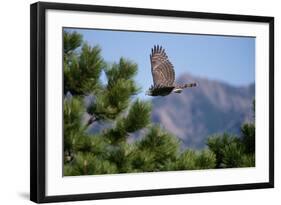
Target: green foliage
(219, 144)
(124, 70)
(82, 72)
(130, 123)
(87, 164)
(186, 161)
(248, 160)
(190, 160)
(232, 151)
(248, 137)
(206, 159)
(156, 151)
(107, 152)
(232, 155)
(71, 41)
(73, 111)
(133, 121)
(120, 155)
(113, 101)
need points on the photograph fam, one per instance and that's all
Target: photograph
(134, 102)
(145, 101)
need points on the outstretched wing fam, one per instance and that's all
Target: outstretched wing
(161, 68)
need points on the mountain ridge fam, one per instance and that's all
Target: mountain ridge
(212, 107)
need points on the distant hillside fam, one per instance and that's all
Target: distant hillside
(212, 107)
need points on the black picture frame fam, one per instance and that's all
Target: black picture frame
(38, 101)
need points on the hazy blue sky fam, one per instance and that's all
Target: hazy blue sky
(228, 59)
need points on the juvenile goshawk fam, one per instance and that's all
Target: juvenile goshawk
(163, 74)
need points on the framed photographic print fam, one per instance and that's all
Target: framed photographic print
(129, 102)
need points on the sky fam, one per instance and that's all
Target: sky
(230, 59)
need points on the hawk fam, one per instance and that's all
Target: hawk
(163, 74)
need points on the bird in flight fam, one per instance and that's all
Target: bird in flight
(163, 74)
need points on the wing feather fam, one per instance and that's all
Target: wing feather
(161, 68)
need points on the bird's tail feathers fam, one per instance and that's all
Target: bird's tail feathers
(188, 85)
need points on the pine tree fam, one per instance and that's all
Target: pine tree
(191, 160)
(157, 151)
(235, 151)
(248, 135)
(108, 151)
